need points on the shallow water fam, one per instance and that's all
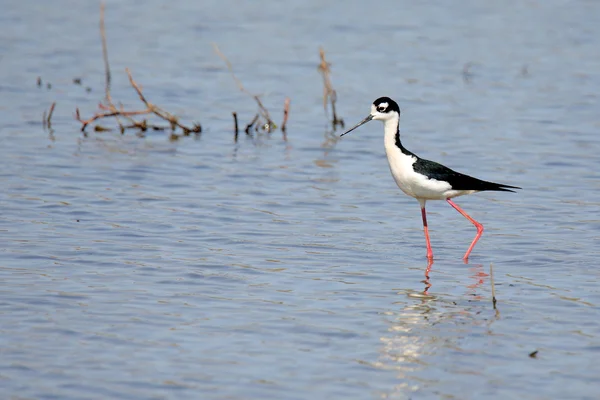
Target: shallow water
(144, 268)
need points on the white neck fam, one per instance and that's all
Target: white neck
(390, 128)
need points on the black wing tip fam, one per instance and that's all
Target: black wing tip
(505, 188)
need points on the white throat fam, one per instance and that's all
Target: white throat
(390, 128)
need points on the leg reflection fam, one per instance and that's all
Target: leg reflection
(478, 276)
(427, 271)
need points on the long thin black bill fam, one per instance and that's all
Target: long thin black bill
(364, 121)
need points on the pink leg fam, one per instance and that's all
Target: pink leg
(424, 215)
(427, 271)
(477, 225)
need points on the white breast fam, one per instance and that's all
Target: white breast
(410, 182)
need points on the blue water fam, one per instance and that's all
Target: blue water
(293, 267)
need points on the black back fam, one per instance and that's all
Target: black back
(458, 181)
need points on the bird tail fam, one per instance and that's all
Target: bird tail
(499, 187)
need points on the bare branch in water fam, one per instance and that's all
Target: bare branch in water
(286, 113)
(269, 125)
(249, 126)
(329, 94)
(108, 108)
(494, 301)
(47, 117)
(105, 54)
(235, 126)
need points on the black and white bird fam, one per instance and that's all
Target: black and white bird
(423, 179)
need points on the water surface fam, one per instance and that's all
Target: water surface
(292, 267)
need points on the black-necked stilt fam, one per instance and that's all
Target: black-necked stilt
(423, 179)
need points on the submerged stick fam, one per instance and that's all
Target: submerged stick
(235, 126)
(269, 124)
(286, 112)
(493, 285)
(49, 120)
(108, 109)
(105, 55)
(107, 74)
(249, 126)
(329, 94)
(151, 108)
(96, 116)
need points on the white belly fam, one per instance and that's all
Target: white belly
(414, 184)
(410, 182)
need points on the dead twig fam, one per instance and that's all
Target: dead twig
(494, 301)
(269, 125)
(50, 112)
(108, 108)
(329, 94)
(47, 117)
(107, 74)
(105, 55)
(172, 119)
(286, 112)
(96, 116)
(235, 126)
(533, 354)
(249, 126)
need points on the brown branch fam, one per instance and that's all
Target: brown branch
(265, 114)
(49, 120)
(230, 68)
(47, 117)
(286, 112)
(139, 91)
(329, 94)
(493, 287)
(172, 119)
(115, 113)
(108, 108)
(235, 126)
(270, 125)
(105, 54)
(249, 126)
(107, 74)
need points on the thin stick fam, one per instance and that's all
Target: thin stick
(265, 112)
(493, 286)
(336, 120)
(235, 126)
(172, 119)
(230, 68)
(286, 112)
(249, 126)
(328, 92)
(105, 53)
(86, 122)
(49, 120)
(324, 70)
(107, 74)
(262, 108)
(110, 110)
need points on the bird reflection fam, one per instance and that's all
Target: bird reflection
(412, 337)
(330, 140)
(427, 327)
(426, 280)
(477, 275)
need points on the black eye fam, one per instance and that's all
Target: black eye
(381, 108)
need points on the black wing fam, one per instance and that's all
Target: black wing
(457, 180)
